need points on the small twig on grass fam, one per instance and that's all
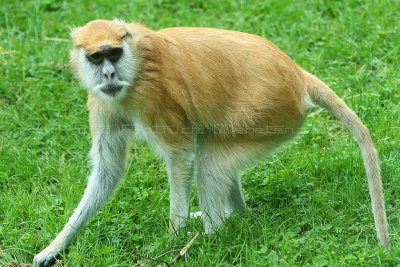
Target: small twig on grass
(17, 264)
(59, 263)
(7, 52)
(183, 251)
(56, 39)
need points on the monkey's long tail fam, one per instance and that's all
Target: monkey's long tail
(322, 95)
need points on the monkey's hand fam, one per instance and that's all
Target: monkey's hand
(45, 258)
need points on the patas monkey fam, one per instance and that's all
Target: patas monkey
(208, 100)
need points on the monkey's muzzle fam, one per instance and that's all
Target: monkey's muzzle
(111, 89)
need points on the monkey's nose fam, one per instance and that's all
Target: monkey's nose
(109, 74)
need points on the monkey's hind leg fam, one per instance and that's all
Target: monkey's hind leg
(235, 202)
(218, 188)
(180, 172)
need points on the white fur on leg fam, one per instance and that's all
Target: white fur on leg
(108, 155)
(235, 201)
(213, 190)
(180, 173)
(218, 185)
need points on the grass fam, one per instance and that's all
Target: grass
(308, 204)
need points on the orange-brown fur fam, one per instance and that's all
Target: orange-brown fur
(205, 99)
(220, 82)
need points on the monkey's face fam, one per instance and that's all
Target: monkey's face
(102, 58)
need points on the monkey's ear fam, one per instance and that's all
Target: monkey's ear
(122, 23)
(128, 34)
(75, 34)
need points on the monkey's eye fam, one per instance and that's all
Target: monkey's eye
(115, 54)
(95, 58)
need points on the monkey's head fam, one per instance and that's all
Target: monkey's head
(102, 58)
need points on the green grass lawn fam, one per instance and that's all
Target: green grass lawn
(308, 205)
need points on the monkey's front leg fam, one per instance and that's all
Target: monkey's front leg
(108, 156)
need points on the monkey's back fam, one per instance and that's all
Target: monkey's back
(234, 79)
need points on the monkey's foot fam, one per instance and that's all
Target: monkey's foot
(199, 214)
(44, 259)
(196, 214)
